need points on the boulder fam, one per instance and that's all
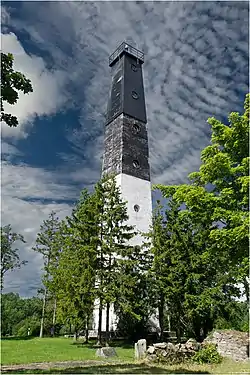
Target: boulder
(151, 350)
(152, 358)
(192, 344)
(160, 345)
(106, 352)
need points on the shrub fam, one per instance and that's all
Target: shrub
(208, 354)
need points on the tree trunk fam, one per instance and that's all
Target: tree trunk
(76, 333)
(43, 312)
(99, 334)
(107, 324)
(54, 318)
(161, 315)
(246, 287)
(87, 330)
(178, 329)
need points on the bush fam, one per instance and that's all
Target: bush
(208, 354)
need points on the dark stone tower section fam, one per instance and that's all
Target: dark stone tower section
(126, 140)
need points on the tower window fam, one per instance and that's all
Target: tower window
(134, 67)
(136, 164)
(136, 128)
(136, 208)
(135, 95)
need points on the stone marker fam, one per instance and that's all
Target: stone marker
(106, 351)
(140, 349)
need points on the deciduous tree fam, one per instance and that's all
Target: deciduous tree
(10, 258)
(48, 247)
(11, 83)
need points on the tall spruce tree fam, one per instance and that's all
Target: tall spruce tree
(113, 247)
(47, 246)
(74, 277)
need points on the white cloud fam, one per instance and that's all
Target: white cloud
(195, 67)
(47, 97)
(21, 184)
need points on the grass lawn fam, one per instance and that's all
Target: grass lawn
(21, 351)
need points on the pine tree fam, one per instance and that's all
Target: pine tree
(113, 246)
(74, 276)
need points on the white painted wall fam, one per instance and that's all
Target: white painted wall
(112, 318)
(137, 192)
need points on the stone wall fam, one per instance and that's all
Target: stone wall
(170, 353)
(232, 344)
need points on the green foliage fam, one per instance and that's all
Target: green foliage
(18, 312)
(11, 82)
(9, 257)
(201, 242)
(207, 354)
(235, 316)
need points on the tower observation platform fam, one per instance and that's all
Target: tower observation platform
(127, 49)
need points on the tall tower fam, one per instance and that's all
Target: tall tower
(126, 145)
(126, 141)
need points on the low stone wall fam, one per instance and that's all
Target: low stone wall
(232, 344)
(168, 352)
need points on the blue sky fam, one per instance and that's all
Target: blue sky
(196, 66)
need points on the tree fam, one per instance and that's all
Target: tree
(10, 259)
(225, 165)
(211, 229)
(47, 245)
(74, 276)
(159, 270)
(19, 314)
(113, 247)
(11, 82)
(93, 243)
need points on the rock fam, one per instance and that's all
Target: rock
(140, 349)
(152, 358)
(192, 344)
(160, 345)
(151, 350)
(106, 352)
(171, 347)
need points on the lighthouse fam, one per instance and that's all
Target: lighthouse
(126, 153)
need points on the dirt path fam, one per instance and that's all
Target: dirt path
(50, 365)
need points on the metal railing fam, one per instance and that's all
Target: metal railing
(125, 47)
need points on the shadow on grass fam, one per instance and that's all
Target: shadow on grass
(14, 338)
(110, 369)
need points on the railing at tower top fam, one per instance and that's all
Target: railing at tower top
(125, 47)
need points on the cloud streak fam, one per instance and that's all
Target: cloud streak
(196, 66)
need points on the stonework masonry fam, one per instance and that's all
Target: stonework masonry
(126, 142)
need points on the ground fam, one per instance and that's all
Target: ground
(60, 355)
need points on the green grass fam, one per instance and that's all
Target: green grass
(18, 351)
(21, 351)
